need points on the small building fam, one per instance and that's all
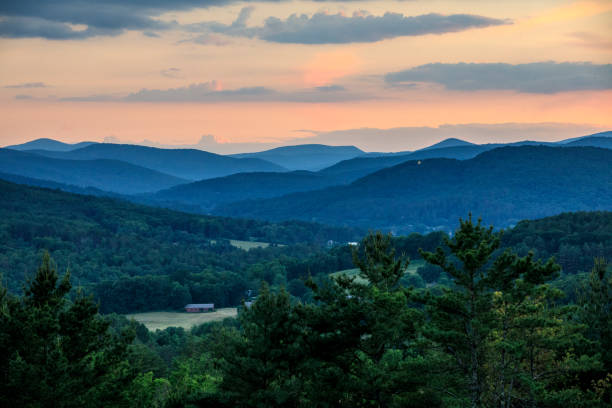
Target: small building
(200, 307)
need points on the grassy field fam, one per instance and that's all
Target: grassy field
(412, 269)
(246, 245)
(162, 320)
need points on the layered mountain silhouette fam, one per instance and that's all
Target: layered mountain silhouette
(166, 176)
(190, 164)
(305, 157)
(503, 186)
(49, 144)
(596, 141)
(206, 194)
(52, 185)
(110, 175)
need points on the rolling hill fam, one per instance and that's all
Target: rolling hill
(607, 133)
(305, 157)
(349, 170)
(596, 141)
(450, 142)
(49, 144)
(206, 194)
(110, 175)
(190, 164)
(52, 185)
(503, 186)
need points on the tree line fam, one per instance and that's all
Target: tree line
(495, 334)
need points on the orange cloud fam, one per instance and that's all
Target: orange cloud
(327, 67)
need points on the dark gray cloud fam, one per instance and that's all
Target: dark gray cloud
(27, 85)
(81, 19)
(56, 19)
(23, 97)
(324, 28)
(210, 92)
(538, 77)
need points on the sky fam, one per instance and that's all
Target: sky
(230, 76)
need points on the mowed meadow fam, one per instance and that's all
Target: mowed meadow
(162, 320)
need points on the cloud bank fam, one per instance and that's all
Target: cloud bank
(212, 92)
(324, 28)
(81, 19)
(538, 77)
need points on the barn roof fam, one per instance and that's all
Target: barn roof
(200, 306)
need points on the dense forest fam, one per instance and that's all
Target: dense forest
(135, 258)
(113, 248)
(494, 334)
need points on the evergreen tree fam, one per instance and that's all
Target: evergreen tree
(463, 319)
(362, 336)
(595, 311)
(260, 366)
(56, 353)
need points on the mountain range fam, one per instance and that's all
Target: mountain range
(190, 164)
(49, 144)
(105, 174)
(503, 186)
(261, 185)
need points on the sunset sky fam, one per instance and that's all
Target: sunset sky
(229, 76)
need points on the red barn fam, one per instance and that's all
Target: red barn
(200, 307)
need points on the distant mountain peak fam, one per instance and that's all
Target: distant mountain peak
(49, 144)
(606, 134)
(450, 142)
(305, 156)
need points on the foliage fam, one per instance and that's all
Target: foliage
(136, 258)
(56, 353)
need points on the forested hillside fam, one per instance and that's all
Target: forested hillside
(503, 186)
(138, 258)
(164, 253)
(205, 195)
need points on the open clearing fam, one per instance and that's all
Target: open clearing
(412, 269)
(246, 245)
(162, 320)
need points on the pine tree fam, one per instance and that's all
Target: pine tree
(595, 311)
(362, 336)
(260, 366)
(479, 306)
(57, 353)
